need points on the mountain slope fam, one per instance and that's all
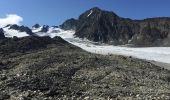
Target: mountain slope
(69, 24)
(29, 43)
(54, 69)
(107, 27)
(17, 31)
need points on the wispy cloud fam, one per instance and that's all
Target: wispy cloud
(10, 19)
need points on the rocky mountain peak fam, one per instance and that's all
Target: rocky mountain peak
(36, 26)
(96, 13)
(45, 28)
(21, 29)
(107, 27)
(96, 25)
(69, 24)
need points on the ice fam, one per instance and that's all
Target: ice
(160, 54)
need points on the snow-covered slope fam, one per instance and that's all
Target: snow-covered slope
(35, 30)
(12, 32)
(53, 31)
(160, 54)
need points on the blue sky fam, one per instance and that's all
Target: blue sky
(54, 12)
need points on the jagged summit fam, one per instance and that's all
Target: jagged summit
(69, 24)
(96, 13)
(36, 26)
(12, 30)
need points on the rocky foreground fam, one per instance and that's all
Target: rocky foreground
(34, 68)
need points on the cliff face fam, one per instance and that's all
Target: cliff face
(107, 27)
(69, 24)
(2, 36)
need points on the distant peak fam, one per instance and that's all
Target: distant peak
(95, 9)
(36, 26)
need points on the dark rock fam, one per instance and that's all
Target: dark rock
(22, 29)
(2, 36)
(3, 78)
(45, 28)
(29, 43)
(107, 27)
(4, 96)
(69, 24)
(103, 26)
(26, 29)
(55, 26)
(36, 26)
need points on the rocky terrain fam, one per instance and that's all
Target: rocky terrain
(21, 29)
(44, 68)
(107, 27)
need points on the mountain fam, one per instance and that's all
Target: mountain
(36, 64)
(36, 26)
(104, 27)
(107, 27)
(18, 31)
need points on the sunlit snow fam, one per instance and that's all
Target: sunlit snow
(160, 54)
(11, 33)
(90, 13)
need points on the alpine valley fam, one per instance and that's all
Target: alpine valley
(98, 56)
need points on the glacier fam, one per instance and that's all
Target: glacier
(159, 54)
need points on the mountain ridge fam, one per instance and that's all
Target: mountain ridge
(107, 27)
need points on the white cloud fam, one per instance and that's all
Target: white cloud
(10, 19)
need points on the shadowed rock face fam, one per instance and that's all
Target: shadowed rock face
(21, 29)
(45, 28)
(69, 24)
(2, 36)
(107, 27)
(36, 26)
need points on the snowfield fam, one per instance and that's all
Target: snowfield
(159, 54)
(11, 33)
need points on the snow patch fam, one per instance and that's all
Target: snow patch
(52, 32)
(90, 13)
(11, 33)
(35, 30)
